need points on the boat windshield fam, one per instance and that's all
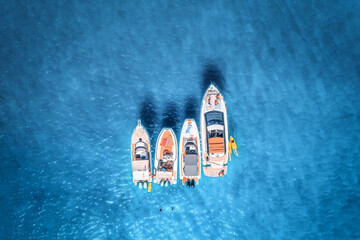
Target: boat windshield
(190, 148)
(216, 133)
(141, 150)
(214, 117)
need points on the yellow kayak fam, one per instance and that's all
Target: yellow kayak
(233, 146)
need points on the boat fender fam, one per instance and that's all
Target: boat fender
(192, 183)
(188, 183)
(161, 183)
(140, 185)
(149, 188)
(145, 185)
(166, 183)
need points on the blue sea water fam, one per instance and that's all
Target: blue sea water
(76, 75)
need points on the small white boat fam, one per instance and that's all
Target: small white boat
(189, 154)
(141, 156)
(166, 158)
(214, 133)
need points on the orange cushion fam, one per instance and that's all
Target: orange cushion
(216, 145)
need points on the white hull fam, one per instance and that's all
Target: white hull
(141, 162)
(166, 158)
(189, 169)
(214, 158)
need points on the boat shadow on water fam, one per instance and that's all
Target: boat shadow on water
(148, 115)
(170, 117)
(191, 106)
(212, 74)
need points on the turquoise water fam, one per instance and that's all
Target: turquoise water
(76, 76)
